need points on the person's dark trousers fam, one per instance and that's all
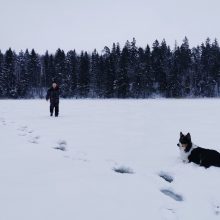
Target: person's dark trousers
(56, 107)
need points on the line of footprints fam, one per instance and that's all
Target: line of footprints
(177, 197)
(62, 146)
(25, 131)
(168, 178)
(168, 192)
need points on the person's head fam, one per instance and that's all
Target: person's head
(54, 85)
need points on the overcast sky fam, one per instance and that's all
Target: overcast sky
(88, 24)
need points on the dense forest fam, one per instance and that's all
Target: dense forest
(128, 72)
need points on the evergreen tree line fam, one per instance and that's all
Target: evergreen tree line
(128, 72)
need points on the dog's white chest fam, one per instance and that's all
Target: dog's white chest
(185, 155)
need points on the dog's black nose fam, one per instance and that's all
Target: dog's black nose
(178, 144)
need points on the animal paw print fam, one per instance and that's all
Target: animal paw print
(34, 140)
(3, 121)
(22, 131)
(169, 214)
(30, 131)
(23, 128)
(80, 156)
(217, 209)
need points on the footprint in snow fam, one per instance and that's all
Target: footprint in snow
(22, 134)
(80, 156)
(23, 128)
(61, 145)
(123, 170)
(169, 214)
(167, 177)
(172, 194)
(216, 208)
(24, 131)
(79, 159)
(34, 140)
(3, 121)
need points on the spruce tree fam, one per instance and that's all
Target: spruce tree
(122, 78)
(22, 76)
(71, 69)
(8, 77)
(1, 74)
(84, 77)
(95, 79)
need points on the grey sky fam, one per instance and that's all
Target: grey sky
(89, 24)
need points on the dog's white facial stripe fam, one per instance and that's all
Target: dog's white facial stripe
(182, 145)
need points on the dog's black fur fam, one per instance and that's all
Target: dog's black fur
(201, 156)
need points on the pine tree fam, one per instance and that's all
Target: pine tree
(143, 82)
(1, 61)
(59, 65)
(115, 56)
(196, 72)
(46, 70)
(109, 75)
(130, 72)
(23, 79)
(34, 73)
(1, 74)
(160, 57)
(84, 78)
(139, 81)
(95, 79)
(174, 88)
(206, 63)
(122, 78)
(72, 69)
(216, 65)
(185, 67)
(134, 73)
(8, 78)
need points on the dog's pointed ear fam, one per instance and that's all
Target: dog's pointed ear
(188, 136)
(181, 134)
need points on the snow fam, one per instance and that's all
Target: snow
(65, 168)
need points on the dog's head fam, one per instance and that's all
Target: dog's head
(185, 142)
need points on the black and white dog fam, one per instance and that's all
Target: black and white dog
(192, 153)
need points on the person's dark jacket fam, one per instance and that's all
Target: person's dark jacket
(53, 95)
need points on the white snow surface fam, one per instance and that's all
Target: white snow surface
(64, 168)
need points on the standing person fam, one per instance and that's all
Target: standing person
(53, 94)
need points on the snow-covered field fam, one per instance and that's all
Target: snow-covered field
(64, 168)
